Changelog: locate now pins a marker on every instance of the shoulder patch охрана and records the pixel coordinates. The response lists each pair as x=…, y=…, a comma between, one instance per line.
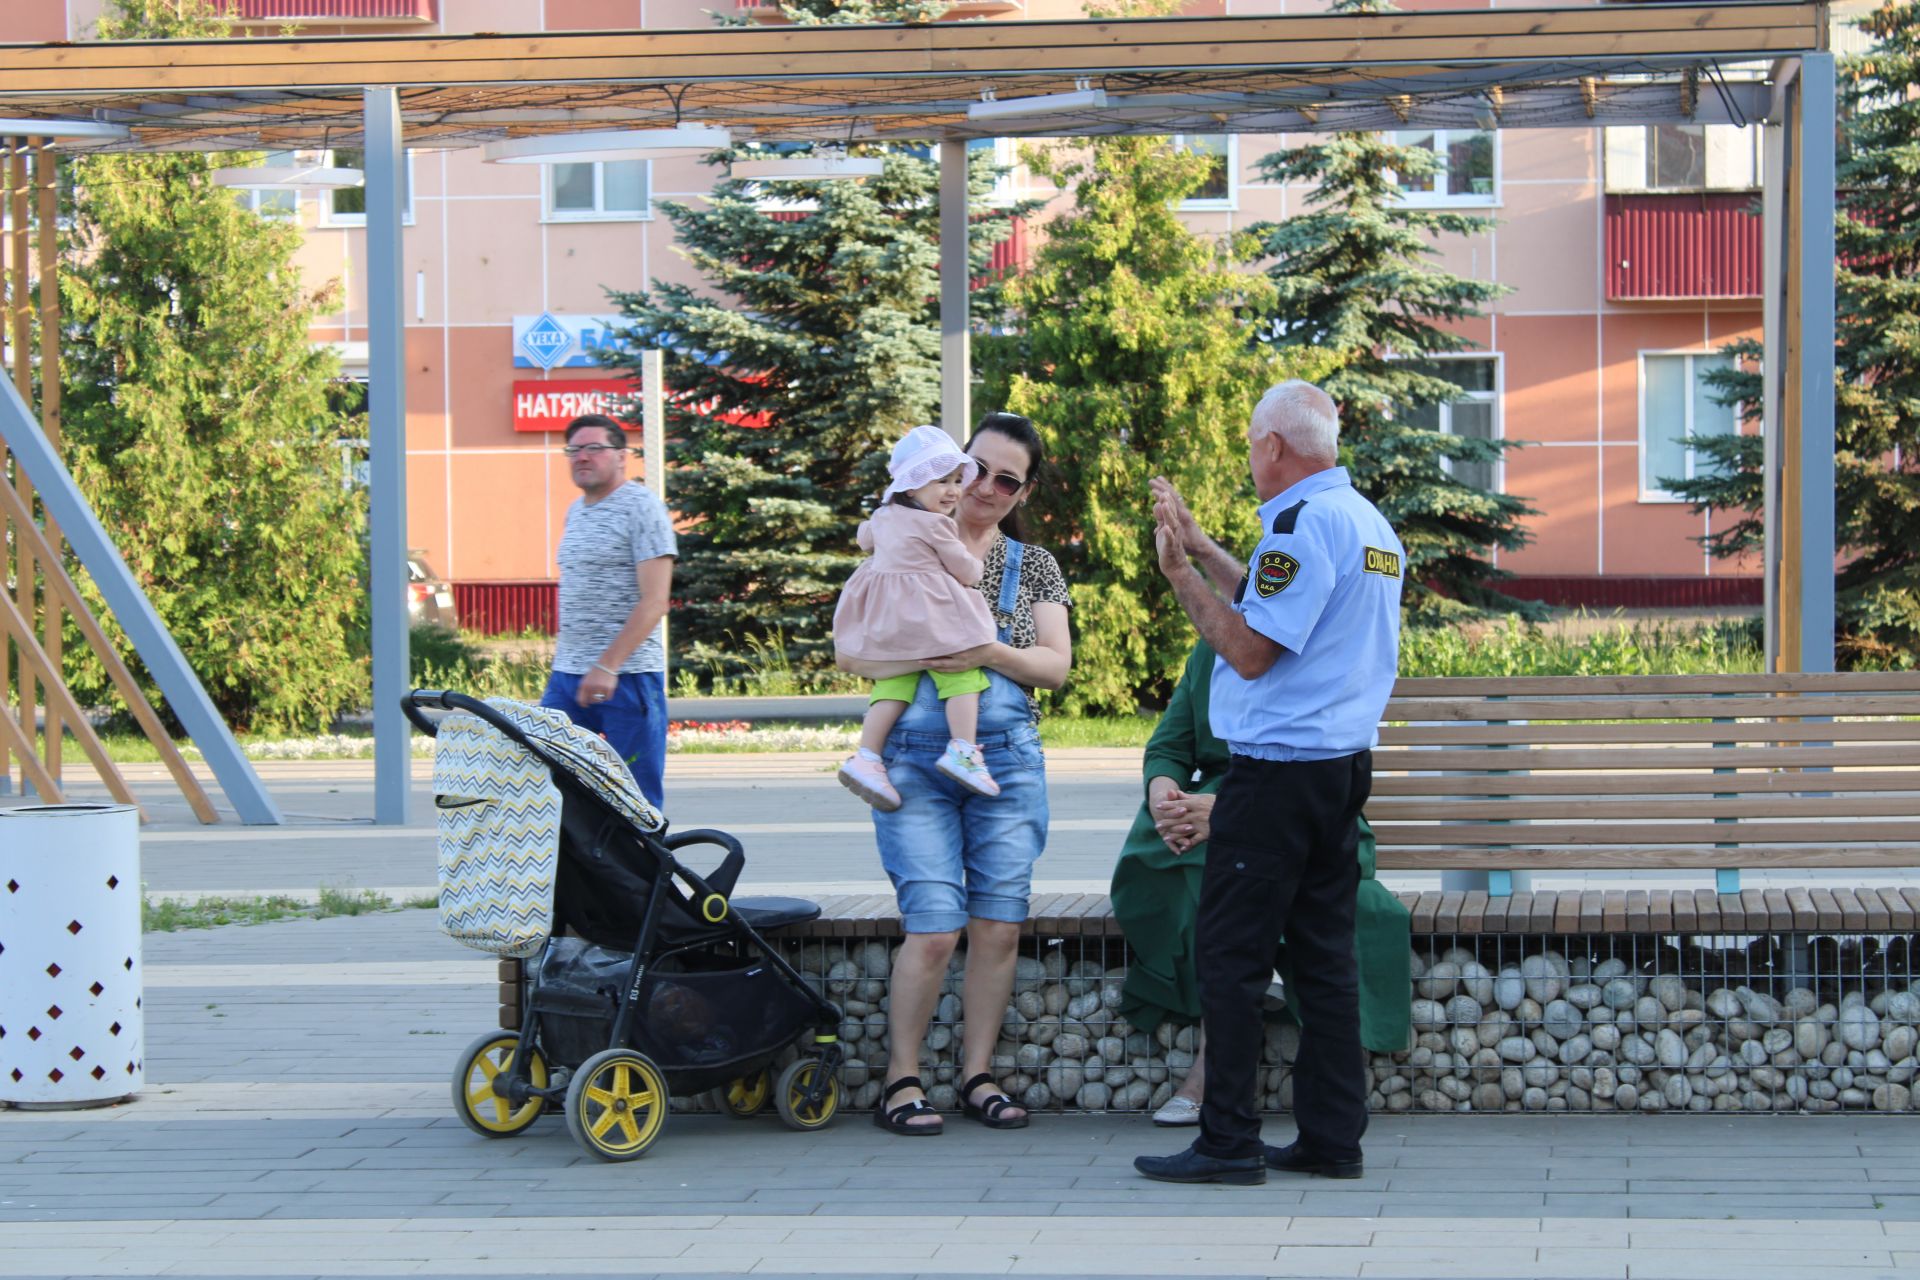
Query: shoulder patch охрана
x=1274, y=573
x=1384, y=563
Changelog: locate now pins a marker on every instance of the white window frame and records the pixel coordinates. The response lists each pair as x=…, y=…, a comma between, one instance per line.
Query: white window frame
x=1650, y=495
x=249, y=197
x=1006, y=155
x=1446, y=199
x=1620, y=149
x=1228, y=203
x=1496, y=397
x=599, y=212
x=329, y=218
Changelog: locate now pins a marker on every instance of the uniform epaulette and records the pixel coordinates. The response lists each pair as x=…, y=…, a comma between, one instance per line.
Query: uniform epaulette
x=1284, y=522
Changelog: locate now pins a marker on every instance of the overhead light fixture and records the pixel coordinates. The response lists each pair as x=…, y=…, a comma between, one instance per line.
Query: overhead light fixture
x=827, y=165
x=1081, y=99
x=616, y=144
x=288, y=177
x=64, y=130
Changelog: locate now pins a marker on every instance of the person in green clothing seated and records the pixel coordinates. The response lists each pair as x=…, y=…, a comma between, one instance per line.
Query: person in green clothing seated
x=1156, y=893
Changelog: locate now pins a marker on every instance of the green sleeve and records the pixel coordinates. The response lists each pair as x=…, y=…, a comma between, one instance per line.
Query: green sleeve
x=1174, y=749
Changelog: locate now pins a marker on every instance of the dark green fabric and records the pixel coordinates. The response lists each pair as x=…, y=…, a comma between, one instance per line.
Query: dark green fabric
x=1156, y=893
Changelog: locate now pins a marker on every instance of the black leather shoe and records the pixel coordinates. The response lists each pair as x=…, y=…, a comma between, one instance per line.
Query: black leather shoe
x=1293, y=1159
x=1191, y=1166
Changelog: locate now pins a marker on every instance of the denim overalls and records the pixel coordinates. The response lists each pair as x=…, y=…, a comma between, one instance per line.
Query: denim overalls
x=953, y=854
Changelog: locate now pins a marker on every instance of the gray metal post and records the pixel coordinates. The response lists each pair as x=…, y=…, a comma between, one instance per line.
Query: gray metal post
x=653, y=448
x=186, y=697
x=1773, y=364
x=387, y=454
x=956, y=357
x=1813, y=188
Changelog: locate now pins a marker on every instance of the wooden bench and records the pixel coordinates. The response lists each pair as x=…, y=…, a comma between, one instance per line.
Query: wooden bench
x=1650, y=772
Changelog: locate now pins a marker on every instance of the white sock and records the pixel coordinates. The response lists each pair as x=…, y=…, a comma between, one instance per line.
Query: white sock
x=865, y=754
x=966, y=748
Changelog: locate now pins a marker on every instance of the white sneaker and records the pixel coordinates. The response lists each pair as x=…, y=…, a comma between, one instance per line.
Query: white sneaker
x=1177, y=1112
x=868, y=780
x=968, y=768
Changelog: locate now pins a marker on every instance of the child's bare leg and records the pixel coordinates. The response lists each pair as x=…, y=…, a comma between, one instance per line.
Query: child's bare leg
x=879, y=722
x=963, y=716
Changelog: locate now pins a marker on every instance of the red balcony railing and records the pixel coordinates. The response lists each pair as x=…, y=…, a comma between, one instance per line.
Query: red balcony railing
x=507, y=608
x=1697, y=244
x=768, y=14
x=258, y=12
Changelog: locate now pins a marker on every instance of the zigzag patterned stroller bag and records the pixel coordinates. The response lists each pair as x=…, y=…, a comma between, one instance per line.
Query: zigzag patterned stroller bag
x=645, y=980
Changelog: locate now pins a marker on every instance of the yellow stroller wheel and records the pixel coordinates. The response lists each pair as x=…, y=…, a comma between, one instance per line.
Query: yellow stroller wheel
x=747, y=1096
x=617, y=1104
x=487, y=1113
x=790, y=1096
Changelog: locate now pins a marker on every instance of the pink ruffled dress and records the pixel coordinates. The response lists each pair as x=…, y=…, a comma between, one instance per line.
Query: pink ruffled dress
x=916, y=596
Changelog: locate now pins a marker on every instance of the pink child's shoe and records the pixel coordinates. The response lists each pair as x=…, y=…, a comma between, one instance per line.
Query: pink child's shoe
x=868, y=780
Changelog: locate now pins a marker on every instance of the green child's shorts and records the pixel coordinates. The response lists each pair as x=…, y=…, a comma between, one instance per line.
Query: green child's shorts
x=948, y=684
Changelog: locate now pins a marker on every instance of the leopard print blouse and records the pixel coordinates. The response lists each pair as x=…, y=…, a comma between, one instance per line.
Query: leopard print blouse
x=1040, y=580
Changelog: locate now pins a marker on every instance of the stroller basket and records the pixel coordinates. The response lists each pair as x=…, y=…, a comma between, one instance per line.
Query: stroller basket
x=702, y=1011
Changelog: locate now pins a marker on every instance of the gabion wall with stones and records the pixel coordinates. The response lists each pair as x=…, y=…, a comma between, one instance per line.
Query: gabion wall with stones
x=1589, y=1023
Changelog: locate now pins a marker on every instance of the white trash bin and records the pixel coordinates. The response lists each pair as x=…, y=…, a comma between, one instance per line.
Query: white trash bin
x=71, y=1030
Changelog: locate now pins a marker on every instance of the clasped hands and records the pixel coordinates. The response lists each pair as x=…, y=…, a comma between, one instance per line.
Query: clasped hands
x=1182, y=819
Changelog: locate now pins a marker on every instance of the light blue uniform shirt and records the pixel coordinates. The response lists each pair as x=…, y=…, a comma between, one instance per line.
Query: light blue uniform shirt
x=1324, y=584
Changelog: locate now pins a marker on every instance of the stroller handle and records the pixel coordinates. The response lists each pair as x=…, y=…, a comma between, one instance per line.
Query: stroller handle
x=418, y=702
x=724, y=876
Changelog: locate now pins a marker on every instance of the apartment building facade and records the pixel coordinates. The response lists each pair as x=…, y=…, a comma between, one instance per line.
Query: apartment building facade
x=1631, y=257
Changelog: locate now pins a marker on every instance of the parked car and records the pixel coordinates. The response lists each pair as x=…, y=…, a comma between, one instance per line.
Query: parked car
x=429, y=596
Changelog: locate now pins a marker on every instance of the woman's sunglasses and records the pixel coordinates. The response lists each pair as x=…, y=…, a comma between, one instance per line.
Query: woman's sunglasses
x=1006, y=484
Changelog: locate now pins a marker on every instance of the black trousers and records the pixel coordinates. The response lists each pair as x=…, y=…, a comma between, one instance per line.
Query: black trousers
x=1282, y=859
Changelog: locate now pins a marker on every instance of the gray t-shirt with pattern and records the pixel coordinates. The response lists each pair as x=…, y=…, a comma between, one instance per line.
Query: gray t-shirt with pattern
x=598, y=590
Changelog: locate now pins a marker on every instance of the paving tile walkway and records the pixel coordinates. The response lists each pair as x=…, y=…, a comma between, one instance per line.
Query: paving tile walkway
x=297, y=1123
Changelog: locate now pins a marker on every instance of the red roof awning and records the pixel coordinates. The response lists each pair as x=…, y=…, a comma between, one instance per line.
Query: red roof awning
x=338, y=10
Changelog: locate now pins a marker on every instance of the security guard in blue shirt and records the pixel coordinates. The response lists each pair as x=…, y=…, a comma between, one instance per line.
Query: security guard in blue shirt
x=1308, y=638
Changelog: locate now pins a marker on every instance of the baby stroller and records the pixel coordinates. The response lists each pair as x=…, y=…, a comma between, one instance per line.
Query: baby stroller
x=643, y=979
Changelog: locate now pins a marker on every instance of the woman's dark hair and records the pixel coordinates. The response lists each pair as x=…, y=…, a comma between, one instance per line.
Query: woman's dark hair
x=1021, y=431
x=616, y=434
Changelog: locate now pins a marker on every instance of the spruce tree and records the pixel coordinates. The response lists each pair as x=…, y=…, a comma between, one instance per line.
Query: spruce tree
x=1877, y=364
x=812, y=345
x=197, y=422
x=1354, y=276
x=1132, y=354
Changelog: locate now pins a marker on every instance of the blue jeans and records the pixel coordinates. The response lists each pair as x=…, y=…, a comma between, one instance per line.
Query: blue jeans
x=950, y=852
x=633, y=721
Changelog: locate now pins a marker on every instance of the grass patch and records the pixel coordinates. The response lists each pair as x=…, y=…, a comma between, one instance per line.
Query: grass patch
x=1515, y=648
x=169, y=915
x=1097, y=731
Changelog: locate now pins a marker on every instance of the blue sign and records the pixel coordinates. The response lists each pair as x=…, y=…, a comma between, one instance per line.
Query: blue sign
x=547, y=341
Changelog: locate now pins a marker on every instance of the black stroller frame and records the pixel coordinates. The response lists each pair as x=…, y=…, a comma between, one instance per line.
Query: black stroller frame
x=807, y=1094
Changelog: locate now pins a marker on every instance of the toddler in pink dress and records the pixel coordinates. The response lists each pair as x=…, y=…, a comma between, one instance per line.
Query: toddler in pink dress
x=914, y=599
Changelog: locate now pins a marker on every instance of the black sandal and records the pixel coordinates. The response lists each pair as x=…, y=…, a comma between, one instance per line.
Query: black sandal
x=898, y=1119
x=991, y=1115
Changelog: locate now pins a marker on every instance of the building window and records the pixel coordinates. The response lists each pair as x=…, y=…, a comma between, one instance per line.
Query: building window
x=1676, y=406
x=1466, y=167
x=1682, y=157
x=1006, y=157
x=347, y=206
x=272, y=202
x=1223, y=149
x=600, y=191
x=1475, y=413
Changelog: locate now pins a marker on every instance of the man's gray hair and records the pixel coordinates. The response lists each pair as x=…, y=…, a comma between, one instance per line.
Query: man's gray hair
x=1302, y=415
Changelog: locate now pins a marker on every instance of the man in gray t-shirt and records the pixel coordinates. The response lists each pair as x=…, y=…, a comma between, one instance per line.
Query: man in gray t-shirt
x=616, y=572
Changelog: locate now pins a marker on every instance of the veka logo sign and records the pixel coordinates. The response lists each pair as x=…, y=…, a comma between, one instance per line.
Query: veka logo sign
x=547, y=341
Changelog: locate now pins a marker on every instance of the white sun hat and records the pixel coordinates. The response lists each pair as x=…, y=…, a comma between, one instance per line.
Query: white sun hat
x=923, y=455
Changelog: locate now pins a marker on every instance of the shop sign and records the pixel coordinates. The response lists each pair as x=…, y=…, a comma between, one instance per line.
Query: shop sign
x=547, y=341
x=550, y=406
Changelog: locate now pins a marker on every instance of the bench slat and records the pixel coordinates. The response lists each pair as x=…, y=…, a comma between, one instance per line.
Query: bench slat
x=1424, y=908
x=1766, y=731
x=1852, y=914
x=1555, y=782
x=1639, y=857
x=1654, y=686
x=1879, y=920
x=1686, y=912
x=1779, y=914
x=1900, y=912
x=1404, y=834
x=1543, y=913
x=1446, y=918
x=1437, y=808
x=1555, y=759
x=1494, y=919
x=1912, y=895
x=1613, y=910
x=1473, y=911
x=1587, y=707
x=1660, y=916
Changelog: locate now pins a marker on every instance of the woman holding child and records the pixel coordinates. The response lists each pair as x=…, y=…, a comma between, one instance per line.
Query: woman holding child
x=954, y=770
